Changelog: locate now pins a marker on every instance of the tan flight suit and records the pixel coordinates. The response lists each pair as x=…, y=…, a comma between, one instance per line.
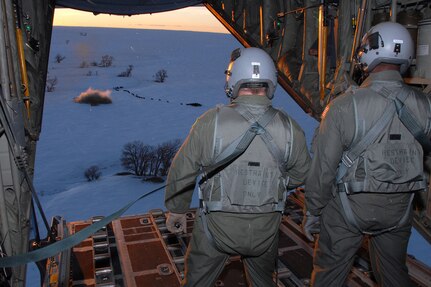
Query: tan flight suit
x=252, y=236
x=339, y=240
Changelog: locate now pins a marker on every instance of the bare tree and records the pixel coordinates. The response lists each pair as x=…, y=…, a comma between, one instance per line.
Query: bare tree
x=106, y=61
x=154, y=163
x=136, y=157
x=157, y=160
x=144, y=159
x=160, y=76
x=167, y=151
x=126, y=73
x=59, y=58
x=50, y=84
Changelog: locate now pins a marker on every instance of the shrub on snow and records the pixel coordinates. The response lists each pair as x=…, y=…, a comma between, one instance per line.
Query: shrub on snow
x=92, y=173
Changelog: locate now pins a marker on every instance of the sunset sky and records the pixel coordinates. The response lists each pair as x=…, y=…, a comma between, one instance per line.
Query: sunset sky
x=187, y=19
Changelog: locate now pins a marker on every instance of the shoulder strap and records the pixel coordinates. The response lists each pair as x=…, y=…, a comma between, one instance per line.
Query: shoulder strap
x=411, y=123
x=353, y=153
x=238, y=146
x=279, y=155
x=350, y=156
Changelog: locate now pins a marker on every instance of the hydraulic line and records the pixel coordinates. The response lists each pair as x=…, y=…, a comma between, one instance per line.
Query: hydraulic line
x=23, y=70
x=322, y=47
x=358, y=32
x=21, y=59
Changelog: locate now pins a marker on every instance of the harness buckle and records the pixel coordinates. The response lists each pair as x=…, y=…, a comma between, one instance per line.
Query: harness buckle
x=346, y=160
x=257, y=128
x=342, y=187
x=203, y=207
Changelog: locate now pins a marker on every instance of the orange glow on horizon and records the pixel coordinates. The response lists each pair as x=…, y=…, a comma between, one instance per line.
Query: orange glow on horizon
x=197, y=19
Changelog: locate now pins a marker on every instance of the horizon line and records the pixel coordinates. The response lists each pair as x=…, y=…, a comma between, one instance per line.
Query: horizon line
x=193, y=19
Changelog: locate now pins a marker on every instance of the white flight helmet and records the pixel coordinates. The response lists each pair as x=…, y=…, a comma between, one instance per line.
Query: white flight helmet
x=250, y=68
x=386, y=42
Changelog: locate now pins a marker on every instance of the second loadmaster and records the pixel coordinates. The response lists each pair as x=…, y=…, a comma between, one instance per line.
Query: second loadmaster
x=368, y=164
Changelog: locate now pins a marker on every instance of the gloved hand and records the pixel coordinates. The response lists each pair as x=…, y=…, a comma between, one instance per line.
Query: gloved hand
x=176, y=222
x=310, y=225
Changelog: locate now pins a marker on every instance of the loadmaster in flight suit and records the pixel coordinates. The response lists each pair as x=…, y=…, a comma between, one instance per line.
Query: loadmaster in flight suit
x=367, y=166
x=242, y=204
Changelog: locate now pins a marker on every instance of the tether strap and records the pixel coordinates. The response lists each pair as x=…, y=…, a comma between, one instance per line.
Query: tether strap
x=69, y=242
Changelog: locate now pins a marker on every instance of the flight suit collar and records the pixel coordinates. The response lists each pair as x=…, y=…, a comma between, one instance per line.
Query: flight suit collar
x=383, y=76
x=253, y=100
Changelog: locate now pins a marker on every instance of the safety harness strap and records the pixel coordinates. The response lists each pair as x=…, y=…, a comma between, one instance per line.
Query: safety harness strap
x=227, y=156
x=232, y=151
x=354, y=152
x=278, y=155
x=410, y=122
x=351, y=155
x=352, y=187
x=237, y=147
